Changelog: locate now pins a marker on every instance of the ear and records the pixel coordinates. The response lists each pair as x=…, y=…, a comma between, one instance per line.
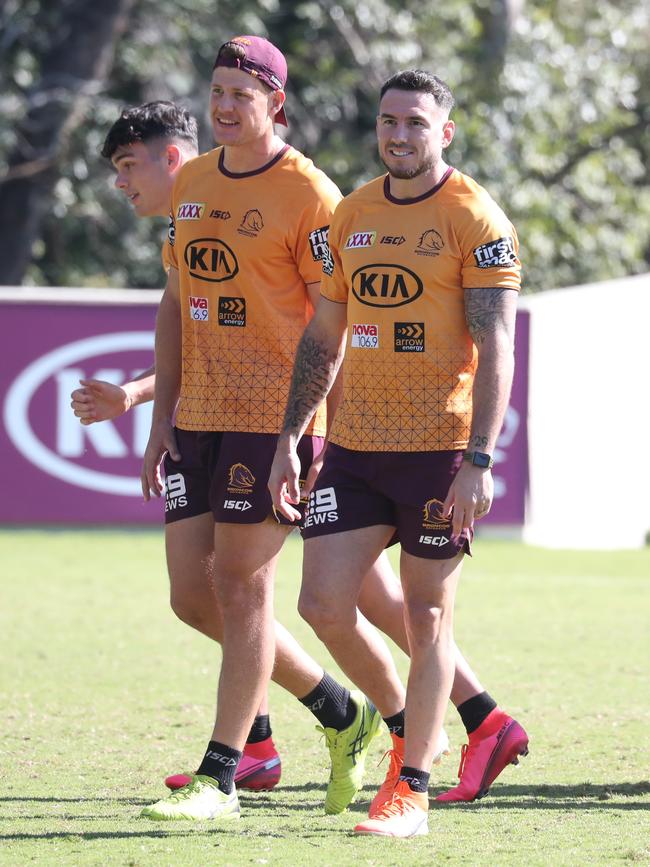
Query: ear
x=277, y=101
x=448, y=131
x=174, y=158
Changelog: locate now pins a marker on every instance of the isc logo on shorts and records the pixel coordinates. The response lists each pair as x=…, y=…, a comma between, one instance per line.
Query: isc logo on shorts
x=175, y=492
x=199, y=310
x=438, y=541
x=365, y=337
x=321, y=507
x=238, y=505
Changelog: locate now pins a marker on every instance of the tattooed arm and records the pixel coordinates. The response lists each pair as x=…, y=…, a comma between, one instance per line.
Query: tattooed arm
x=490, y=316
x=318, y=358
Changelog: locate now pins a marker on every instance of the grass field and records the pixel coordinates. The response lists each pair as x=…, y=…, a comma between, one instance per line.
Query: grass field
x=103, y=693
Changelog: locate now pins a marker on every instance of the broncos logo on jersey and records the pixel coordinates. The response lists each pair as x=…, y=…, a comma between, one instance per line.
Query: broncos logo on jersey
x=430, y=242
x=252, y=223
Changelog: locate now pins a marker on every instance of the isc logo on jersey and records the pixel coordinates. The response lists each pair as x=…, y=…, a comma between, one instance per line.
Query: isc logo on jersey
x=360, y=239
x=365, y=337
x=321, y=507
x=199, y=310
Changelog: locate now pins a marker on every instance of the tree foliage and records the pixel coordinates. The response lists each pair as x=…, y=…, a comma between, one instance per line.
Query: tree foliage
x=552, y=116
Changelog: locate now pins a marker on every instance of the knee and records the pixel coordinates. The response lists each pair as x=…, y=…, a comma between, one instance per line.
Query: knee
x=201, y=611
x=426, y=624
x=324, y=616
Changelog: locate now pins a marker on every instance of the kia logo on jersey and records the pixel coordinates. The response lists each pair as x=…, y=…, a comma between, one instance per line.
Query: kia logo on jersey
x=384, y=285
x=211, y=260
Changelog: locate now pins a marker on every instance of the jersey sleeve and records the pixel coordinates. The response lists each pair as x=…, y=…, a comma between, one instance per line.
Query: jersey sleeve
x=333, y=285
x=310, y=240
x=489, y=248
x=167, y=254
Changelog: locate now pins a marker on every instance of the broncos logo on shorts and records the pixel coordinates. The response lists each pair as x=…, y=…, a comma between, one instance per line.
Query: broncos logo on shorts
x=433, y=516
x=240, y=479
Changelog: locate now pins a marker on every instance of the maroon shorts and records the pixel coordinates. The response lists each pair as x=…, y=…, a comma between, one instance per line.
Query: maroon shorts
x=227, y=474
x=404, y=490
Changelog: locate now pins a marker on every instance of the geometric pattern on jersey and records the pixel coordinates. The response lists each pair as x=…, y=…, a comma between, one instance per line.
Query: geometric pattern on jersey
x=247, y=388
x=402, y=267
x=390, y=406
x=246, y=247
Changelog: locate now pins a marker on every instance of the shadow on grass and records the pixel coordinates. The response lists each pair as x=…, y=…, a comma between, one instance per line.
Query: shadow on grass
x=580, y=796
x=105, y=835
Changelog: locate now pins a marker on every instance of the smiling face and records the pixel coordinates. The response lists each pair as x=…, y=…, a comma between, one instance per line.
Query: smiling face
x=412, y=133
x=242, y=109
x=145, y=174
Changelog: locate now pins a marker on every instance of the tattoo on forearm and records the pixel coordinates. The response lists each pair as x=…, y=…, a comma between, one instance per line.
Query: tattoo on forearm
x=479, y=442
x=485, y=311
x=313, y=373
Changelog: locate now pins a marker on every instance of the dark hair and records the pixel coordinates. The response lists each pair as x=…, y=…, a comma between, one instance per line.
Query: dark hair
x=230, y=51
x=153, y=120
x=419, y=79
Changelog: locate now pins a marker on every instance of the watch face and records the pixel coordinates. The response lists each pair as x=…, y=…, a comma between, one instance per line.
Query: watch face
x=481, y=460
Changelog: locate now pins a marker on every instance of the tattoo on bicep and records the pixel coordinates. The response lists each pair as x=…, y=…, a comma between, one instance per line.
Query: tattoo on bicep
x=486, y=310
x=313, y=372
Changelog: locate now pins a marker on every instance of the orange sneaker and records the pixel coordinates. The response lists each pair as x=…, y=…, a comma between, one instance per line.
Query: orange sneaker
x=395, y=762
x=496, y=743
x=405, y=815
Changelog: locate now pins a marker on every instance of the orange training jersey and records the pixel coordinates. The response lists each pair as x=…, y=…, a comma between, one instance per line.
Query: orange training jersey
x=401, y=267
x=245, y=245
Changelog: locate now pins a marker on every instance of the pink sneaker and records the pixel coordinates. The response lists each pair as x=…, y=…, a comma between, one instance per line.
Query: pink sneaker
x=496, y=743
x=259, y=769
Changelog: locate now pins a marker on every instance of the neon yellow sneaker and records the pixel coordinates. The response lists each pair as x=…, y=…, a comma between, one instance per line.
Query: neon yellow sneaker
x=200, y=799
x=348, y=751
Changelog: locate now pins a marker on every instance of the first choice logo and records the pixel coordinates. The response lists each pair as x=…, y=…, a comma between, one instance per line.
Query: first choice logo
x=383, y=285
x=365, y=337
x=318, y=243
x=232, y=312
x=409, y=336
x=211, y=260
x=496, y=253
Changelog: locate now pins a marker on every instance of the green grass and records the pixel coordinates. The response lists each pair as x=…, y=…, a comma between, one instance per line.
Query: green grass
x=102, y=693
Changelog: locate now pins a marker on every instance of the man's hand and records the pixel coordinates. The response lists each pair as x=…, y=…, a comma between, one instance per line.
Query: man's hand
x=284, y=480
x=470, y=497
x=99, y=401
x=161, y=440
x=314, y=471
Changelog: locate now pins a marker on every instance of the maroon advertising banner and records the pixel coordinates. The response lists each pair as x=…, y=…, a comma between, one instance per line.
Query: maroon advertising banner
x=57, y=471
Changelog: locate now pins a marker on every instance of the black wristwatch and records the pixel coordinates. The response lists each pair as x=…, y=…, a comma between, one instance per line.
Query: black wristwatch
x=479, y=459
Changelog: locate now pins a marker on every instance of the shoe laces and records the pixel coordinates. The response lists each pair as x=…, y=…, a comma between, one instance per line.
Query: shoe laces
x=193, y=788
x=395, y=763
x=466, y=752
x=397, y=806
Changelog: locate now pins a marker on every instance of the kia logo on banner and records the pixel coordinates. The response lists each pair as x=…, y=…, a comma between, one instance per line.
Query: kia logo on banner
x=65, y=462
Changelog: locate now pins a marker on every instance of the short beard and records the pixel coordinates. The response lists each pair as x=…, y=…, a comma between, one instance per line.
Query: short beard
x=409, y=174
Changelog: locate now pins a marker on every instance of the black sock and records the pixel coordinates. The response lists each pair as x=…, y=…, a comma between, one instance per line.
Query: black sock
x=475, y=710
x=330, y=703
x=220, y=762
x=418, y=780
x=395, y=724
x=260, y=730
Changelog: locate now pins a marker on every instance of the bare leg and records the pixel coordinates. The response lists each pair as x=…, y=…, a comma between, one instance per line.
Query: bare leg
x=429, y=593
x=381, y=600
x=332, y=576
x=190, y=554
